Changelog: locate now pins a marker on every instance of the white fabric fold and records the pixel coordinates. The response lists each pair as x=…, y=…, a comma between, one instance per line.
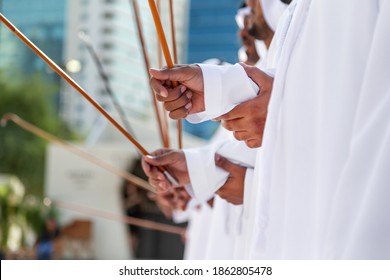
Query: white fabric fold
x=273, y=11
x=206, y=178
x=224, y=89
x=321, y=179
x=323, y=172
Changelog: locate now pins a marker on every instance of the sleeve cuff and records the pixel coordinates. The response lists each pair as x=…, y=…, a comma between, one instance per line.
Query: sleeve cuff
x=224, y=88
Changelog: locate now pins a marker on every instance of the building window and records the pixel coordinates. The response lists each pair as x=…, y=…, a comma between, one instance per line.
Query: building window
x=107, y=46
x=106, y=61
x=107, y=30
x=84, y=17
x=108, y=15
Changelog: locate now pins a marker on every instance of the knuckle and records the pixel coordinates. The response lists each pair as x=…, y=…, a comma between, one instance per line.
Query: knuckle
x=238, y=136
x=168, y=106
x=253, y=110
x=159, y=97
x=178, y=114
x=253, y=143
x=227, y=125
x=254, y=123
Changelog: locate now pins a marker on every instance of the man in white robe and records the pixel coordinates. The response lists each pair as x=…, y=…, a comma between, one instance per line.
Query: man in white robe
x=322, y=177
x=226, y=229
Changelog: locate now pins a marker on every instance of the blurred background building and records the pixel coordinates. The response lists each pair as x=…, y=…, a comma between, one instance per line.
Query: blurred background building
x=212, y=33
x=44, y=22
x=111, y=28
x=204, y=29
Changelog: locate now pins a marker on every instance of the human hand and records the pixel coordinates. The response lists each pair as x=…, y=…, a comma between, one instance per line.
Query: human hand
x=184, y=99
x=173, y=160
x=247, y=120
x=164, y=201
x=173, y=199
x=181, y=198
x=233, y=189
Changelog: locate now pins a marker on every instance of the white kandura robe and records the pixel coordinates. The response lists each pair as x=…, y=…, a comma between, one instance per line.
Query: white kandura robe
x=220, y=240
x=225, y=232
x=322, y=178
x=224, y=225
x=197, y=232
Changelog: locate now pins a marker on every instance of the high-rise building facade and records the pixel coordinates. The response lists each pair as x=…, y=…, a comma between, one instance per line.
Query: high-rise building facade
x=212, y=34
x=213, y=30
x=43, y=21
x=204, y=29
x=111, y=28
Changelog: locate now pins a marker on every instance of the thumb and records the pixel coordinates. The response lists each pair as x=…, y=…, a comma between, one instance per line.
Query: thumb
x=224, y=163
x=259, y=77
x=253, y=72
x=160, y=160
x=171, y=74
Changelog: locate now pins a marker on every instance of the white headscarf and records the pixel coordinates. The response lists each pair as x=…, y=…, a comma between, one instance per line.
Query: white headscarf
x=240, y=16
x=273, y=10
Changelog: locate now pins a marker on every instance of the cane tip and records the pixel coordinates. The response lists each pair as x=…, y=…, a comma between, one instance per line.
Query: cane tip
x=4, y=120
x=3, y=123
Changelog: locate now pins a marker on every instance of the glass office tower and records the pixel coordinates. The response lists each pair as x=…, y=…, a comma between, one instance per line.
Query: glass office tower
x=212, y=34
x=213, y=30
x=111, y=28
x=43, y=22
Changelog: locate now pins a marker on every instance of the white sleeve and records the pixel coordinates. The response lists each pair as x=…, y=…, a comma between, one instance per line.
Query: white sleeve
x=224, y=88
x=206, y=178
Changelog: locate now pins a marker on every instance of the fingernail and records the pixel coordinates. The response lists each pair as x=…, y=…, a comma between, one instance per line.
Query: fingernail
x=188, y=106
x=183, y=89
x=217, y=157
x=164, y=93
x=189, y=95
x=160, y=177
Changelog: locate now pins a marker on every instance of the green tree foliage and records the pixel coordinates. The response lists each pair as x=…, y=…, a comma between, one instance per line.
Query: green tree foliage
x=22, y=153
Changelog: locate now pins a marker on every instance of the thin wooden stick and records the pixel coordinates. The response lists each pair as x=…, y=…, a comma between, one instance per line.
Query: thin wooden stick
x=160, y=65
x=173, y=33
x=175, y=60
x=167, y=54
x=75, y=150
x=158, y=45
x=67, y=78
x=157, y=110
x=161, y=35
x=166, y=128
x=120, y=218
